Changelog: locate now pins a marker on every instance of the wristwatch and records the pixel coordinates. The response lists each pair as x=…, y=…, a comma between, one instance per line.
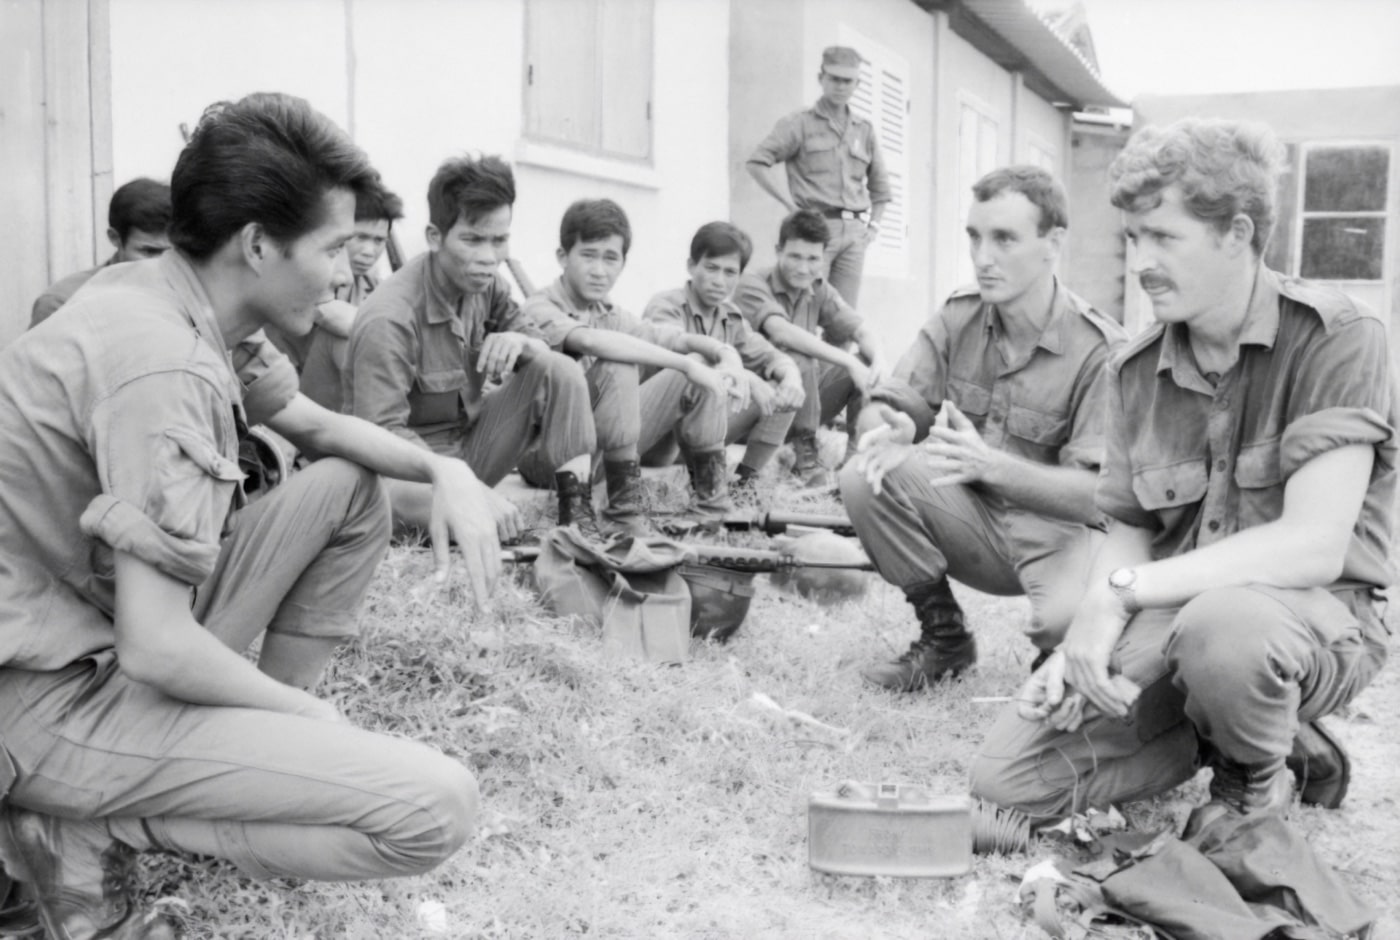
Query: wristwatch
x=1123, y=583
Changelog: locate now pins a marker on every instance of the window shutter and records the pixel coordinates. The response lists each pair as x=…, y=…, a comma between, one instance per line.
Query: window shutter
x=883, y=100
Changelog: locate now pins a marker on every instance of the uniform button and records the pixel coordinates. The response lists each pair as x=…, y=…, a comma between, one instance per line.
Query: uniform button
x=1171, y=494
x=1213, y=525
x=1220, y=466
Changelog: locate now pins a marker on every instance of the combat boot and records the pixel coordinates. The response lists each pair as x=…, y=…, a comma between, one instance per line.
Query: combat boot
x=576, y=505
x=808, y=467
x=627, y=498
x=744, y=487
x=83, y=880
x=1320, y=766
x=1242, y=790
x=709, y=486
x=944, y=647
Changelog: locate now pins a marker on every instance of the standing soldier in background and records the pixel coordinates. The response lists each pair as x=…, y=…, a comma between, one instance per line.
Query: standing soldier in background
x=833, y=166
x=137, y=218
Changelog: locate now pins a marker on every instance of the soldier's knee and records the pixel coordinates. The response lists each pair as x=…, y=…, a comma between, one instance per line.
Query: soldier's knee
x=449, y=805
x=1207, y=632
x=856, y=493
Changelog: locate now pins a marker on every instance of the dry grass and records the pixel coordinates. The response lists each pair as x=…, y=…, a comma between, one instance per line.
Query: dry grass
x=631, y=800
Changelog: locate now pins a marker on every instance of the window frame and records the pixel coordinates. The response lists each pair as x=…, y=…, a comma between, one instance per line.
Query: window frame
x=1301, y=215
x=538, y=145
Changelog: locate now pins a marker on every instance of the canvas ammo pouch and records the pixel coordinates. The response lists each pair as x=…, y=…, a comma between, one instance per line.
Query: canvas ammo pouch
x=631, y=587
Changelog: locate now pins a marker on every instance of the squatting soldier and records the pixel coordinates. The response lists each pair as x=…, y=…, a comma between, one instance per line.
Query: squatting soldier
x=1007, y=380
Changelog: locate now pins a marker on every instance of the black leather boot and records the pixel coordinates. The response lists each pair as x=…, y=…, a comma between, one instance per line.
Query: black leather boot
x=944, y=647
x=627, y=497
x=1320, y=766
x=576, y=505
x=709, y=485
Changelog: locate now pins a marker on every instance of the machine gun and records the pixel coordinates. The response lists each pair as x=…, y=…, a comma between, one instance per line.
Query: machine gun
x=747, y=560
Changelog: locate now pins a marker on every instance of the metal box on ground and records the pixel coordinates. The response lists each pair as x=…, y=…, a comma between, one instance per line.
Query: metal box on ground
x=889, y=829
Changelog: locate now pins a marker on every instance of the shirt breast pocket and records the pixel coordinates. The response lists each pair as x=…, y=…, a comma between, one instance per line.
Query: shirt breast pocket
x=1043, y=432
x=437, y=398
x=1172, y=487
x=819, y=156
x=972, y=400
x=1259, y=477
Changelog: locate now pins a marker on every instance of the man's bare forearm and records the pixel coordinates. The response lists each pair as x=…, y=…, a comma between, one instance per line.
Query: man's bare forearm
x=616, y=346
x=314, y=428
x=1061, y=492
x=793, y=338
x=762, y=175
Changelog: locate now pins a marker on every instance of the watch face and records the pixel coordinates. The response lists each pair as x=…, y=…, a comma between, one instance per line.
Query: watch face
x=1122, y=577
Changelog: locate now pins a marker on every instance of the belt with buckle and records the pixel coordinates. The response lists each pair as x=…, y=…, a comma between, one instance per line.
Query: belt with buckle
x=851, y=214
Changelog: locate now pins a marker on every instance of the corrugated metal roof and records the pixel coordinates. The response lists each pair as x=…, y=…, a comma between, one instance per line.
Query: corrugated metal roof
x=1023, y=40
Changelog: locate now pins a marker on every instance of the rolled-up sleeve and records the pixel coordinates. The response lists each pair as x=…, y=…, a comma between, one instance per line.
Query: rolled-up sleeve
x=782, y=143
x=269, y=379
x=667, y=337
x=382, y=358
x=1088, y=399
x=161, y=450
x=1114, y=494
x=1343, y=396
x=554, y=325
x=756, y=301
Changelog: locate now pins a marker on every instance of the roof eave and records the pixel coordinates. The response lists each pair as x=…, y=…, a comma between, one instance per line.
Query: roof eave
x=1018, y=39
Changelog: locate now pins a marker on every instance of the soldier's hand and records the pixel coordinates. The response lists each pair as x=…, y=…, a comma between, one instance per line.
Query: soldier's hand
x=958, y=451
x=880, y=450
x=499, y=353
x=462, y=511
x=790, y=395
x=509, y=523
x=1088, y=649
x=707, y=378
x=763, y=395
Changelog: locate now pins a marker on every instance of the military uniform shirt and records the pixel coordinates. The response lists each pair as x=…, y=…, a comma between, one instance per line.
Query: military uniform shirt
x=118, y=432
x=411, y=366
x=558, y=314
x=680, y=309
x=1195, y=463
x=818, y=309
x=828, y=166
x=1043, y=404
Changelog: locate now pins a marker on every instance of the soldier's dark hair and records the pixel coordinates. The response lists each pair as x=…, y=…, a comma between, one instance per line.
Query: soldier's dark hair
x=591, y=220
x=141, y=205
x=468, y=188
x=269, y=158
x=378, y=203
x=1037, y=185
x=717, y=239
x=805, y=225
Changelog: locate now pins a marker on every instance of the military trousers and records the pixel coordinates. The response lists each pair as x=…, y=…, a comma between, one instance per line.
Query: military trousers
x=1239, y=668
x=916, y=531
x=277, y=794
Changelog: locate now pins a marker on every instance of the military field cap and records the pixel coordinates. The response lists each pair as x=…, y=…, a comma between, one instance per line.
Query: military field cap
x=841, y=61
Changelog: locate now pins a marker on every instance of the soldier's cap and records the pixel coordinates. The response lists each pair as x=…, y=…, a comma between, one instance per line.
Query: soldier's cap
x=841, y=61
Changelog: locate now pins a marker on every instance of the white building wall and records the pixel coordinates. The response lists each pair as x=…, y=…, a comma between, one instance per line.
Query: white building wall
x=1025, y=123
x=433, y=78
